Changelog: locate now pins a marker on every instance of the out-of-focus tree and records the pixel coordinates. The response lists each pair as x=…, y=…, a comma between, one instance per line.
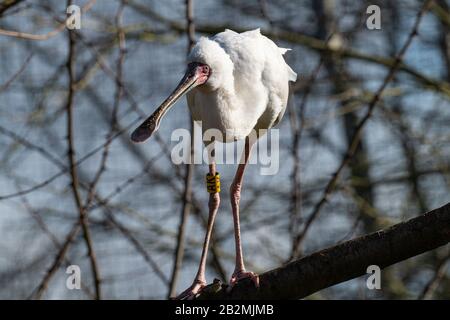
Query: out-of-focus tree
x=75, y=190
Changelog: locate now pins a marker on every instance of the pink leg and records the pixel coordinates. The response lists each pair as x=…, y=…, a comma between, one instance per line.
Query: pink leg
x=235, y=195
x=200, y=279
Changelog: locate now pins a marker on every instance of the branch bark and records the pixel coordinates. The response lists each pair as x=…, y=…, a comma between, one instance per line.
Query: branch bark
x=72, y=161
x=8, y=4
x=345, y=261
x=355, y=140
x=187, y=194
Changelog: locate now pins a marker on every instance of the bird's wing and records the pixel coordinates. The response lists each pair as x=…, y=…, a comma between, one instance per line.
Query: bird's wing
x=258, y=60
x=246, y=52
x=253, y=51
x=276, y=76
x=291, y=73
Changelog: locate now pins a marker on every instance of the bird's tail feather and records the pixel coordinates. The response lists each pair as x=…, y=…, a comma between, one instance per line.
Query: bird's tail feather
x=292, y=76
x=284, y=50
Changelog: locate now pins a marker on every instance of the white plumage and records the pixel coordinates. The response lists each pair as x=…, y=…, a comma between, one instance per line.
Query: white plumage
x=235, y=82
x=248, y=86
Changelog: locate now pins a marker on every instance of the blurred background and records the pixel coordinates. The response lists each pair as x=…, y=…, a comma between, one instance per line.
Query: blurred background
x=126, y=58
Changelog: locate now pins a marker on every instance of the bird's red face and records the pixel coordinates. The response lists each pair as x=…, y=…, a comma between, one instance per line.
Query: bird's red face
x=199, y=71
x=196, y=75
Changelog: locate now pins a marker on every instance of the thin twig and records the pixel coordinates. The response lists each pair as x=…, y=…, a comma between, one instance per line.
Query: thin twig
x=139, y=248
x=189, y=169
x=117, y=99
x=359, y=128
x=7, y=83
x=432, y=285
x=29, y=36
x=43, y=226
x=64, y=171
x=43, y=285
x=297, y=132
x=6, y=5
x=72, y=161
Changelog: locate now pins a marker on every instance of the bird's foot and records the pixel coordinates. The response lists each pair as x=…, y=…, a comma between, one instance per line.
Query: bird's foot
x=192, y=292
x=242, y=274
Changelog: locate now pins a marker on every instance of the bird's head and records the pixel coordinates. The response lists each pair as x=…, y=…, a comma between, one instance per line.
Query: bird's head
x=208, y=68
x=210, y=53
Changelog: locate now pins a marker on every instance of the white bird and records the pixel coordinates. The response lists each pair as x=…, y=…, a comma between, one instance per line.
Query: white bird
x=236, y=83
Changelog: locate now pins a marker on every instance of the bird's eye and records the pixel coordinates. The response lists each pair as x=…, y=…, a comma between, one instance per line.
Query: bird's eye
x=206, y=69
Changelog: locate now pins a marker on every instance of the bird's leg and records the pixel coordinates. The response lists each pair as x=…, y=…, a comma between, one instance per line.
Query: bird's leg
x=235, y=195
x=200, y=279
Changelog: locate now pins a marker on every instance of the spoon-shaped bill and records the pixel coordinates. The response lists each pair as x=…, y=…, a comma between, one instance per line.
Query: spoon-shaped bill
x=151, y=124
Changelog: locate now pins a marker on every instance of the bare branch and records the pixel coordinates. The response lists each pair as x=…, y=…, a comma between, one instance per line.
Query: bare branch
x=5, y=85
x=187, y=196
x=345, y=261
x=432, y=285
x=72, y=161
x=355, y=140
x=29, y=36
x=8, y=4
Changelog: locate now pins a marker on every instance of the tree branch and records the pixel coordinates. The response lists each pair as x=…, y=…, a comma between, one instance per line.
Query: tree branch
x=72, y=161
x=40, y=37
x=345, y=261
x=355, y=140
x=187, y=194
x=8, y=4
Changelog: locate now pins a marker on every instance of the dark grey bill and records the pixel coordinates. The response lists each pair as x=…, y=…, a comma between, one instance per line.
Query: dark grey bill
x=151, y=124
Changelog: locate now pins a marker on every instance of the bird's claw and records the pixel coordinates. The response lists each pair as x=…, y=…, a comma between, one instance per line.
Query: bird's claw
x=192, y=292
x=242, y=274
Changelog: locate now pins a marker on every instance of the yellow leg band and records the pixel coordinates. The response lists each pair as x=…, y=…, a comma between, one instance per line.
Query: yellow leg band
x=213, y=183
